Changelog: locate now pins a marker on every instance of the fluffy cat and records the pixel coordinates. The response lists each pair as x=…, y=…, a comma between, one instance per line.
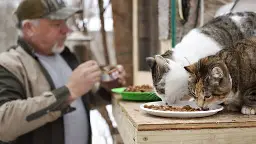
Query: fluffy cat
x=229, y=77
x=171, y=84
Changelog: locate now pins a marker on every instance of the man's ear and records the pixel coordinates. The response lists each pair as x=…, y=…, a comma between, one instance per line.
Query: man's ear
x=28, y=28
x=191, y=68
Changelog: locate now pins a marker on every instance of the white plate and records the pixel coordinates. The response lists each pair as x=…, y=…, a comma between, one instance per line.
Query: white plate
x=212, y=110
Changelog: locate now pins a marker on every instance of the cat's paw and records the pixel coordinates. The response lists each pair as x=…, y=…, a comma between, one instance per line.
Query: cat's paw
x=248, y=110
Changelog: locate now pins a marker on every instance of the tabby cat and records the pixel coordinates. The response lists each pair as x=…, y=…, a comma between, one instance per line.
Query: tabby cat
x=170, y=79
x=229, y=77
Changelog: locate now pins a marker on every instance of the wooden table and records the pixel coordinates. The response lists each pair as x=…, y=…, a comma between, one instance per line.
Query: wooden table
x=137, y=127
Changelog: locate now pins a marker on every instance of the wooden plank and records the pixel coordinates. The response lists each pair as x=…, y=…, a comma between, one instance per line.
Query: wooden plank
x=123, y=35
x=194, y=126
x=204, y=136
x=125, y=127
x=146, y=122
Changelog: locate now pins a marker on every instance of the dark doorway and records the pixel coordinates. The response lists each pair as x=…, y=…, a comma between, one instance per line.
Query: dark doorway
x=148, y=43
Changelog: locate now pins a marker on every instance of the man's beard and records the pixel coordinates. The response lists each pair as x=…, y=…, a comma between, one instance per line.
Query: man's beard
x=57, y=49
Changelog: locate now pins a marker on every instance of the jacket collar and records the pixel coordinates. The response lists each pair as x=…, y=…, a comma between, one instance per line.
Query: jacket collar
x=21, y=42
x=67, y=55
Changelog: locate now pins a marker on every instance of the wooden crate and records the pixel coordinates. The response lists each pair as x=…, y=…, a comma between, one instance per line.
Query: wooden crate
x=136, y=127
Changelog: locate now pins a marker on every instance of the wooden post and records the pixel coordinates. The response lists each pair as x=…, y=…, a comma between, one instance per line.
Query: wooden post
x=123, y=35
x=103, y=32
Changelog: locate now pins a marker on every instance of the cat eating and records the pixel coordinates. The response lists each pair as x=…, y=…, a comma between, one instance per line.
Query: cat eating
x=170, y=79
x=228, y=77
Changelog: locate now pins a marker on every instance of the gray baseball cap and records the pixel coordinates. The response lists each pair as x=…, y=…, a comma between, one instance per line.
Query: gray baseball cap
x=51, y=9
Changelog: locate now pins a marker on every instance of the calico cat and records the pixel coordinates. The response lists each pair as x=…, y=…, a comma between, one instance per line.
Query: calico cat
x=229, y=77
x=172, y=84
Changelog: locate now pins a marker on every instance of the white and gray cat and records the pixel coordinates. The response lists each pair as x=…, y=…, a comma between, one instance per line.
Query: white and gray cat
x=170, y=79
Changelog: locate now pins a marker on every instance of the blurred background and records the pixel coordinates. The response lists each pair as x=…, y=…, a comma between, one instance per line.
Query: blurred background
x=125, y=32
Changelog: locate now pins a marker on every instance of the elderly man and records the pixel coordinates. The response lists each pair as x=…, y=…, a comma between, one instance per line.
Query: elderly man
x=44, y=92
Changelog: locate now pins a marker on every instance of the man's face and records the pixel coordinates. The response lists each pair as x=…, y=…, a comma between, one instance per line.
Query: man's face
x=50, y=35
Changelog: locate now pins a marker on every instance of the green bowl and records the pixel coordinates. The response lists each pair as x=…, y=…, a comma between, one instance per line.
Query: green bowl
x=136, y=96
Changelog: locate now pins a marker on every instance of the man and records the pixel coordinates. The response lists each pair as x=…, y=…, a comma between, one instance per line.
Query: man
x=41, y=82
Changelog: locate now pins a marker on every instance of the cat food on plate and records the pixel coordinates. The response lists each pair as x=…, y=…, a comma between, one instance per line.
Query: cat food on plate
x=172, y=108
x=139, y=88
x=181, y=109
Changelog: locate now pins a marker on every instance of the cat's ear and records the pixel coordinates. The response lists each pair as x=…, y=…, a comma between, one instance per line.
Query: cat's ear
x=167, y=54
x=203, y=61
x=162, y=62
x=191, y=68
x=150, y=61
x=217, y=73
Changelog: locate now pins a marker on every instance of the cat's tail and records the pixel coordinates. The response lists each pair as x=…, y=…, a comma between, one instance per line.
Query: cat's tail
x=249, y=97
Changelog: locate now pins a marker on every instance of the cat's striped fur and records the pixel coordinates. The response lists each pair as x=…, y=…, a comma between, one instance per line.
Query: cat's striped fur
x=223, y=31
x=229, y=76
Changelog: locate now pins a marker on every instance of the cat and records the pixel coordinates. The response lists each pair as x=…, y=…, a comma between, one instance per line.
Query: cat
x=229, y=77
x=171, y=83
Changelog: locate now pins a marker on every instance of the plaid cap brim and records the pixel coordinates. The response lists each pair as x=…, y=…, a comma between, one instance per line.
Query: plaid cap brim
x=63, y=13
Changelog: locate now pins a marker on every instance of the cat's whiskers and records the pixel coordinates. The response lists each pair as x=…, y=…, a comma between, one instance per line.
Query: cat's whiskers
x=187, y=60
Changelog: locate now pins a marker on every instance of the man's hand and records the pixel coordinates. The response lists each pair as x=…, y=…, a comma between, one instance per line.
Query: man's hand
x=119, y=82
x=83, y=79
